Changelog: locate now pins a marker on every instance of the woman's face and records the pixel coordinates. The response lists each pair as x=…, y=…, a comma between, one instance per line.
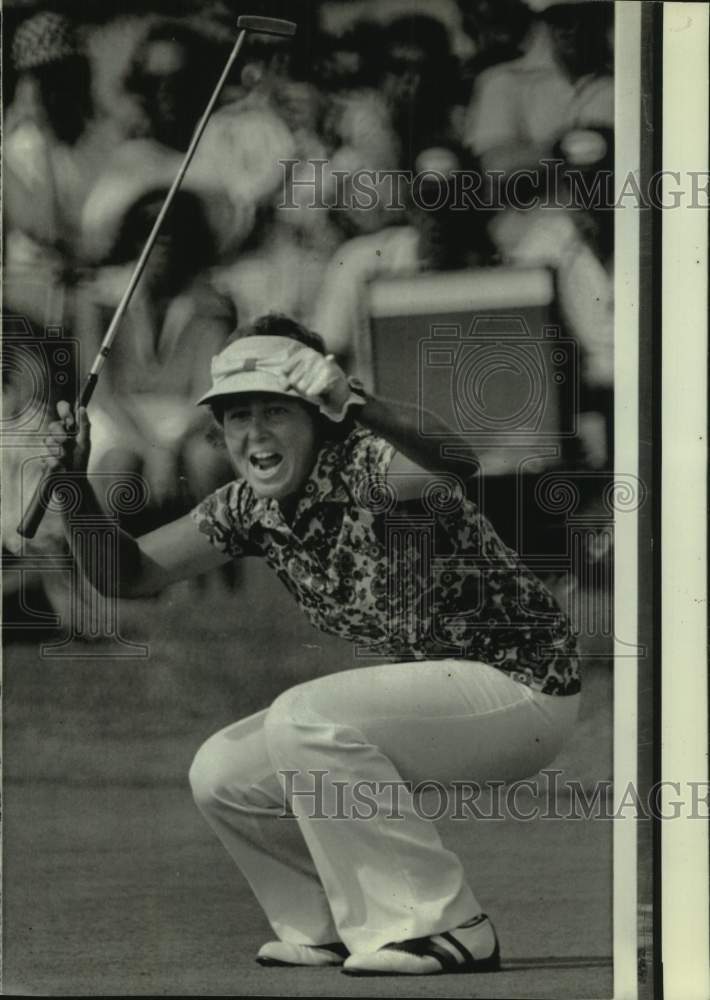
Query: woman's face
x=164, y=72
x=271, y=440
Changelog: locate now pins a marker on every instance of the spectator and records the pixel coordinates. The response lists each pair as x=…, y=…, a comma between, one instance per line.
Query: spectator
x=282, y=266
x=436, y=239
x=418, y=80
x=497, y=28
x=53, y=147
x=348, y=61
x=173, y=73
x=358, y=128
x=235, y=168
x=519, y=109
x=555, y=238
x=160, y=361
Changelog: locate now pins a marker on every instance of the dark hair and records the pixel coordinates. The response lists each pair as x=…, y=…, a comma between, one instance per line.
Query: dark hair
x=332, y=68
x=498, y=27
x=65, y=89
x=201, y=66
x=186, y=222
x=417, y=48
x=173, y=98
x=280, y=325
x=426, y=33
x=580, y=36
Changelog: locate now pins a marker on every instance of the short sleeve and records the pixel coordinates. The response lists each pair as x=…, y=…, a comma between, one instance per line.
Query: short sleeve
x=218, y=516
x=367, y=460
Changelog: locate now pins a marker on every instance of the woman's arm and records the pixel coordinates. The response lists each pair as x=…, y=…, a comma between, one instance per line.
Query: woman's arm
x=320, y=379
x=399, y=424
x=145, y=565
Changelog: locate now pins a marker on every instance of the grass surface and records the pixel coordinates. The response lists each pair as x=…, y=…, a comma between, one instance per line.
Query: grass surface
x=114, y=885
x=125, y=891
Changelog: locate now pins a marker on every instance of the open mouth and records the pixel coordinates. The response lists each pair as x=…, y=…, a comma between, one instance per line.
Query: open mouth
x=265, y=462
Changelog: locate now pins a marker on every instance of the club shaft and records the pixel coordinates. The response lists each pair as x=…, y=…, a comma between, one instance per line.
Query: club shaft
x=34, y=512
x=153, y=235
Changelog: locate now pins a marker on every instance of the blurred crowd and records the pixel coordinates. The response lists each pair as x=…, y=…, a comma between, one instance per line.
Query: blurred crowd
x=98, y=117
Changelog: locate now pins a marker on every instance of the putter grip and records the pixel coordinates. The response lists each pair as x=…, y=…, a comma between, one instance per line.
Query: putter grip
x=34, y=512
x=266, y=25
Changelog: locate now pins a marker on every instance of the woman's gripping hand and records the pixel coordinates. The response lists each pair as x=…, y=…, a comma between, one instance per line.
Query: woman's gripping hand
x=68, y=440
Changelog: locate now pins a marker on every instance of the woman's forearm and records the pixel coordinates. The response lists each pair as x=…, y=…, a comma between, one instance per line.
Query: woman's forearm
x=399, y=424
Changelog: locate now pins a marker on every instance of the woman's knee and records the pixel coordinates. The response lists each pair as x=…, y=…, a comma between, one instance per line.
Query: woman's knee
x=286, y=725
x=212, y=772
x=232, y=767
x=303, y=719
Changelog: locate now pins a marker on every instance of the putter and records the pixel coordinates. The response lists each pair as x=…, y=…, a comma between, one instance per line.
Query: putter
x=34, y=512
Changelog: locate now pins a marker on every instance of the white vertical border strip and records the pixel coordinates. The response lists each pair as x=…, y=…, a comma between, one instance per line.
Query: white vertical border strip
x=684, y=841
x=627, y=72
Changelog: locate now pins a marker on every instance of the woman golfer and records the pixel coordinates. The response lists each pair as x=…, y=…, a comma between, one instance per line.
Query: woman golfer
x=481, y=680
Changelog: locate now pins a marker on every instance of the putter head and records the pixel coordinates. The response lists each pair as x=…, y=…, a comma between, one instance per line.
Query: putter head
x=266, y=25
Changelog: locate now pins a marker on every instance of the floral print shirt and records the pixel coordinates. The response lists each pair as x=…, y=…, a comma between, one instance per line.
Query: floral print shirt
x=400, y=579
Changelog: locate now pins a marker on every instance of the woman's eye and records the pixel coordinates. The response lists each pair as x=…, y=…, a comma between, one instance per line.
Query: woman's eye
x=276, y=411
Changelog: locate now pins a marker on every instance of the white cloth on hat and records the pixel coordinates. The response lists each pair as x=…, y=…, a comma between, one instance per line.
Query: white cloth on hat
x=252, y=364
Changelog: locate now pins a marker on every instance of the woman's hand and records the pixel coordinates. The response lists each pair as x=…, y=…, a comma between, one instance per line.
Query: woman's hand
x=320, y=379
x=68, y=440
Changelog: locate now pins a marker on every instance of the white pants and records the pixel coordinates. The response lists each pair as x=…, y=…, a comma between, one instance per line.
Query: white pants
x=365, y=874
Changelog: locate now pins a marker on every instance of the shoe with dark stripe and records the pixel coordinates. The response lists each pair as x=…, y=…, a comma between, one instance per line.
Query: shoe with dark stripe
x=472, y=947
x=314, y=956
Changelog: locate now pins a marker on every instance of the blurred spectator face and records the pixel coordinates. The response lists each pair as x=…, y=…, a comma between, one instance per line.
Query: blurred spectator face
x=173, y=73
x=164, y=78
x=351, y=60
x=405, y=67
x=581, y=35
x=340, y=67
x=417, y=70
x=444, y=232
x=497, y=24
x=299, y=105
x=266, y=63
x=565, y=40
x=163, y=271
x=164, y=90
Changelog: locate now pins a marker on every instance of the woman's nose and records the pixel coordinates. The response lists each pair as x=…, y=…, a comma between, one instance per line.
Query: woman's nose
x=257, y=426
